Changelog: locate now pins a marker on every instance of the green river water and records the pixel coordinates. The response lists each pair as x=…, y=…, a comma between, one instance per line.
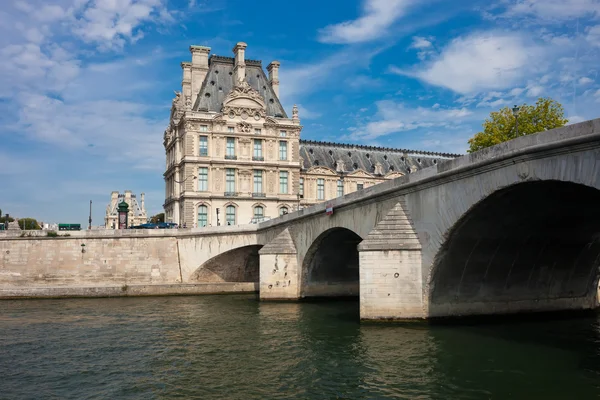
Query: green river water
x=235, y=347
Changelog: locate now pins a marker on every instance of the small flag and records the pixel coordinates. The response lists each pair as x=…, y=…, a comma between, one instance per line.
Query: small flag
x=329, y=209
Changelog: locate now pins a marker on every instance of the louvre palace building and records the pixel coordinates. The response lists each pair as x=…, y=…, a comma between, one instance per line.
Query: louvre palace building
x=234, y=156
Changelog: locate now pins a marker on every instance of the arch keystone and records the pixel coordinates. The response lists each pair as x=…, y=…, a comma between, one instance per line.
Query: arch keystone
x=391, y=283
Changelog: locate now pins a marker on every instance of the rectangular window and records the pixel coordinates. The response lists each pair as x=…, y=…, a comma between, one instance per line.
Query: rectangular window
x=203, y=128
x=203, y=145
x=258, y=155
x=282, y=133
x=257, y=131
x=283, y=182
x=301, y=189
x=359, y=186
x=202, y=179
x=230, y=180
x=340, y=188
x=230, y=215
x=283, y=150
x=202, y=216
x=230, y=129
x=230, y=152
x=258, y=175
x=320, y=189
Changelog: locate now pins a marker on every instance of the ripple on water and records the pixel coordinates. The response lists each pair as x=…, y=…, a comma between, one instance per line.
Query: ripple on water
x=233, y=347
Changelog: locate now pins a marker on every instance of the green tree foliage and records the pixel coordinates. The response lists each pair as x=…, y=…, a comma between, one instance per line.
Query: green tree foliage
x=500, y=126
x=29, y=224
x=155, y=219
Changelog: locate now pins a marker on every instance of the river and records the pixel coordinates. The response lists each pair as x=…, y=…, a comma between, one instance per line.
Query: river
x=234, y=347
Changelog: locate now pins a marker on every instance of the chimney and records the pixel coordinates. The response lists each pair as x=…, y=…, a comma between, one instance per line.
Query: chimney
x=199, y=69
x=128, y=197
x=239, y=70
x=273, y=69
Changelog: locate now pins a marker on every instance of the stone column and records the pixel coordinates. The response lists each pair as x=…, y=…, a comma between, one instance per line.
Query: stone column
x=279, y=272
x=391, y=284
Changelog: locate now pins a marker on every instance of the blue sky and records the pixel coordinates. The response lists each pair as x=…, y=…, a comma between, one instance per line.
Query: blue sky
x=86, y=86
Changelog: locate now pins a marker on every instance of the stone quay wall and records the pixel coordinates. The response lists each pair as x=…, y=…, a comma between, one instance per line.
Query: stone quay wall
x=108, y=263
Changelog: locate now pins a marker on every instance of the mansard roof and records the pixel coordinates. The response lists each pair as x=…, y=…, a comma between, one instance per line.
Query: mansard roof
x=134, y=206
x=357, y=157
x=219, y=82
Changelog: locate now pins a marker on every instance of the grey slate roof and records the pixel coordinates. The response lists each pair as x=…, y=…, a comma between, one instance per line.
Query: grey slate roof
x=134, y=206
x=219, y=82
x=357, y=157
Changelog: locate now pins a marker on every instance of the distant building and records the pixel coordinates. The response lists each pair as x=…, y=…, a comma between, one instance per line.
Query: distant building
x=234, y=156
x=137, y=209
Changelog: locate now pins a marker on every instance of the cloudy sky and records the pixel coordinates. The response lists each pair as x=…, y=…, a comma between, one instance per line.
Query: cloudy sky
x=86, y=86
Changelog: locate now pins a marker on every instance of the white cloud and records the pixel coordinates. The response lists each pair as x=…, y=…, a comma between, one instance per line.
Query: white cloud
x=555, y=10
x=420, y=43
x=593, y=35
x=534, y=90
x=112, y=23
x=585, y=80
x=516, y=91
x=480, y=61
x=394, y=117
x=377, y=16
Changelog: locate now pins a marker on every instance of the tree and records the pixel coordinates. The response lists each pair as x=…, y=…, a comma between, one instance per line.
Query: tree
x=501, y=125
x=29, y=224
x=155, y=219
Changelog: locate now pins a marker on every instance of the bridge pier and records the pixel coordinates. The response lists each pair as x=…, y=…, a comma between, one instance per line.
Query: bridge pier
x=391, y=283
x=279, y=269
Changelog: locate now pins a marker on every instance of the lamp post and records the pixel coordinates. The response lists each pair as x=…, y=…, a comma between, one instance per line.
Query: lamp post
x=515, y=111
x=180, y=182
x=90, y=219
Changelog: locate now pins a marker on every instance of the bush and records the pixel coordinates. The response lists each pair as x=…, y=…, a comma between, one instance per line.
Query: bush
x=51, y=234
x=29, y=224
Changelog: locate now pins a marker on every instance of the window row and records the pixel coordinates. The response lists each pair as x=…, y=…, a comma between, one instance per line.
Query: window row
x=321, y=188
x=231, y=214
x=230, y=181
x=257, y=147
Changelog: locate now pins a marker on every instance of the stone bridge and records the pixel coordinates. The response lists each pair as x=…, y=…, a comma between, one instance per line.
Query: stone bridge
x=512, y=228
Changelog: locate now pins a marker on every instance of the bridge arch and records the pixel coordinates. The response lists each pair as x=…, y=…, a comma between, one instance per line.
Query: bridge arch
x=331, y=265
x=532, y=246
x=236, y=265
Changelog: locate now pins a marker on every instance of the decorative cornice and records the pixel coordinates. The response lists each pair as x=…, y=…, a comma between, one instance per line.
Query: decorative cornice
x=375, y=148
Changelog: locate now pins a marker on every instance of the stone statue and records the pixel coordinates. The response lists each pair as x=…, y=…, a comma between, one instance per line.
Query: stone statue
x=295, y=112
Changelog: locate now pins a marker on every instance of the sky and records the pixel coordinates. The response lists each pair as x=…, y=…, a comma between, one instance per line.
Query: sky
x=86, y=85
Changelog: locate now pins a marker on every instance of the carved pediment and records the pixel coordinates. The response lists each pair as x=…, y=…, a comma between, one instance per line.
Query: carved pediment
x=394, y=175
x=359, y=173
x=321, y=171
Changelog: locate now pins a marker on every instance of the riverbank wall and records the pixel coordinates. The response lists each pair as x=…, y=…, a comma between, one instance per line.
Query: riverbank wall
x=123, y=263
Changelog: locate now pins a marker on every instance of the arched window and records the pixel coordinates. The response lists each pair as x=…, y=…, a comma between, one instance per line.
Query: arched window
x=202, y=216
x=283, y=211
x=259, y=212
x=230, y=215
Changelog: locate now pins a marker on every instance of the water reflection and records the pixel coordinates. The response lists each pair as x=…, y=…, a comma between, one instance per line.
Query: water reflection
x=234, y=347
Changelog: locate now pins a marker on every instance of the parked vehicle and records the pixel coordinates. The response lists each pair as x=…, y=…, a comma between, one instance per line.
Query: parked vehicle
x=144, y=226
x=69, y=227
x=167, y=225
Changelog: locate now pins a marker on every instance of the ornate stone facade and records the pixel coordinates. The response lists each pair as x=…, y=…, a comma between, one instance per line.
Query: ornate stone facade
x=234, y=157
x=137, y=209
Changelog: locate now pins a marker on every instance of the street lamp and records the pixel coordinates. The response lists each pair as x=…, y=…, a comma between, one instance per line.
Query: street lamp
x=515, y=111
x=180, y=182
